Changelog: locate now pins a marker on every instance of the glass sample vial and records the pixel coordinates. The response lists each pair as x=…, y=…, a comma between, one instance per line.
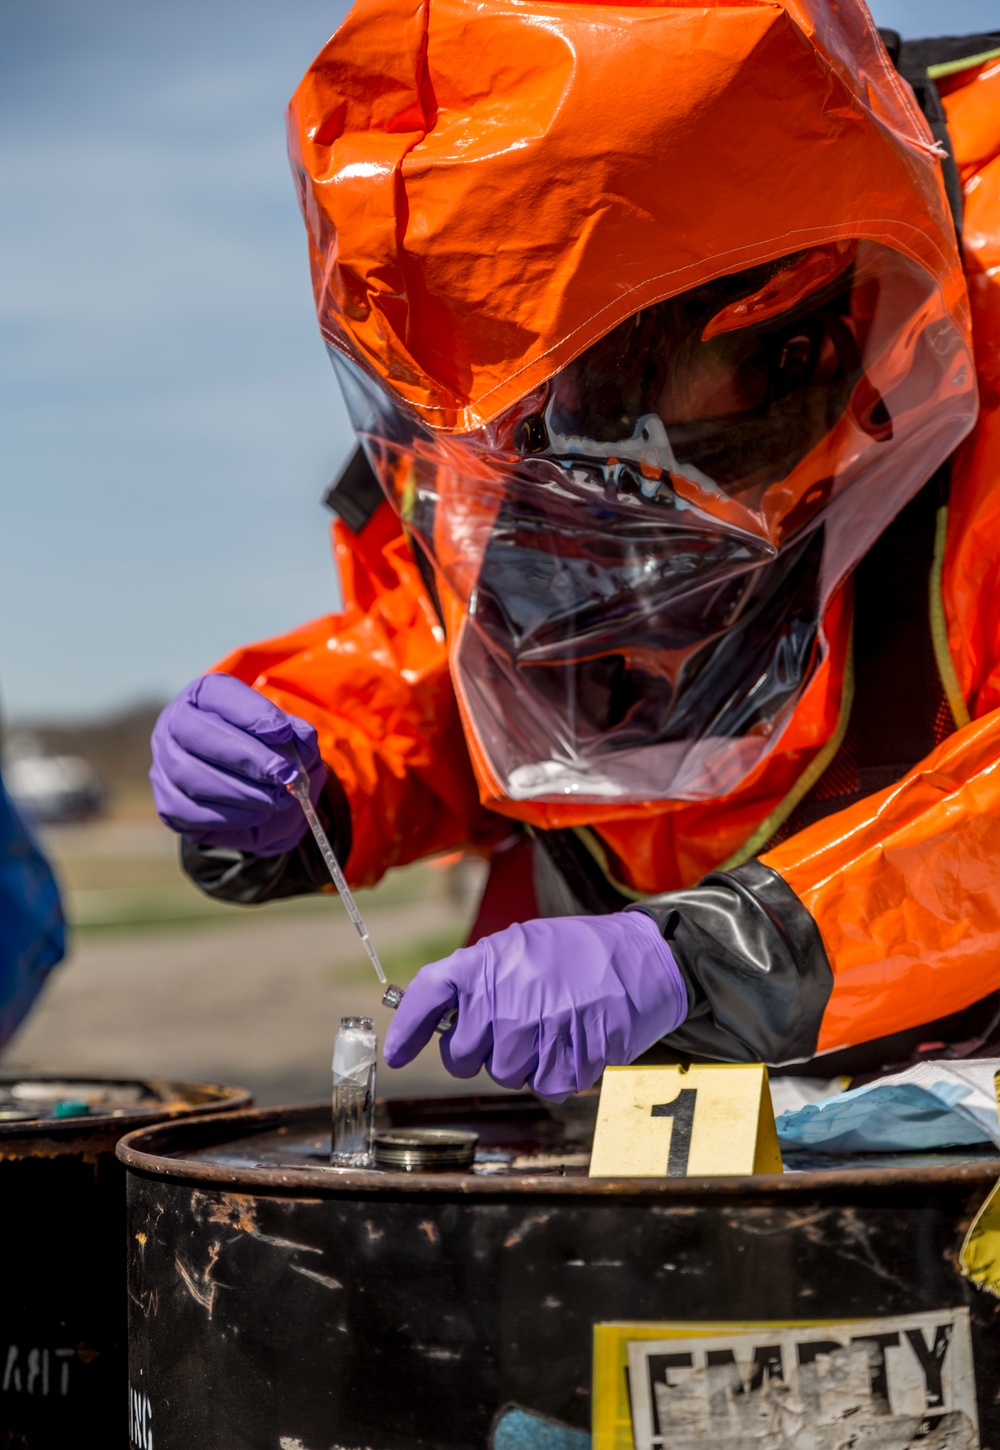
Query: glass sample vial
x=354, y=1051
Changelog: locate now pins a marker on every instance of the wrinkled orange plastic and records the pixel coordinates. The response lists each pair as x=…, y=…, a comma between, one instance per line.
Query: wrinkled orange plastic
x=451, y=276
x=489, y=189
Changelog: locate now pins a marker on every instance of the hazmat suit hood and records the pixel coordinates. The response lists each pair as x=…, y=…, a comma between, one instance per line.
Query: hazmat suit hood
x=650, y=318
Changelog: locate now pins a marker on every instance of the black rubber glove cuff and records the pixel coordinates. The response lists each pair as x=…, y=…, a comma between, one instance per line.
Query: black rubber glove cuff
x=753, y=961
x=248, y=880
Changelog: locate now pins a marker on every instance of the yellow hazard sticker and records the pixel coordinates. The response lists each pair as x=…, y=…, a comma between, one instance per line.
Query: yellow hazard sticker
x=786, y=1385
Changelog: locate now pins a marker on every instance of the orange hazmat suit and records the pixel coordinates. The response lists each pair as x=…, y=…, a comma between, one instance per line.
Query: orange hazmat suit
x=491, y=194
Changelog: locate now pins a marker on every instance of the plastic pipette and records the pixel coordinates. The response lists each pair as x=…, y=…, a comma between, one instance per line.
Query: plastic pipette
x=392, y=997
x=299, y=788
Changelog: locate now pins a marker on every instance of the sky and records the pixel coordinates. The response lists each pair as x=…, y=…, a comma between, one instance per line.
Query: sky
x=168, y=416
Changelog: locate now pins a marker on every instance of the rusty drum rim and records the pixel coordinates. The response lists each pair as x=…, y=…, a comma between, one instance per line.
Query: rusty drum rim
x=149, y=1151
x=174, y=1103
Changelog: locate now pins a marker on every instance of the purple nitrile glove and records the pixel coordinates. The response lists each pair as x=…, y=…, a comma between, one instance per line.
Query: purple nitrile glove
x=550, y=1003
x=222, y=758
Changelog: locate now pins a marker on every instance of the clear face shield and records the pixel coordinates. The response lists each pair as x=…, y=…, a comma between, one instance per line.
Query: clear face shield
x=643, y=549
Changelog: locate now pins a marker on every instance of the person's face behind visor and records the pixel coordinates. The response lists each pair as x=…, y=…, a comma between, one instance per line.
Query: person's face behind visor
x=728, y=384
x=644, y=546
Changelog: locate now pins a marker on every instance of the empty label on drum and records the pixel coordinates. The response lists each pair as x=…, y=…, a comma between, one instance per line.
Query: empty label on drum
x=887, y=1383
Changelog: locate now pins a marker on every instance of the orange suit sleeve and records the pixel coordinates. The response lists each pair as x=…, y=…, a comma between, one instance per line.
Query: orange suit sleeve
x=904, y=887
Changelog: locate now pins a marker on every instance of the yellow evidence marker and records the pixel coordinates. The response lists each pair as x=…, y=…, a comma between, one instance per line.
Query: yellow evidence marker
x=676, y=1122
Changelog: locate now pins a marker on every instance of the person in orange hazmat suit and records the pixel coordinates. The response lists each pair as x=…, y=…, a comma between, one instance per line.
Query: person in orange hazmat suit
x=671, y=556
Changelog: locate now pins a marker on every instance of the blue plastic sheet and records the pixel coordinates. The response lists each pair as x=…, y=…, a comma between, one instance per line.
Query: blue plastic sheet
x=32, y=929
x=518, y=1429
x=932, y=1105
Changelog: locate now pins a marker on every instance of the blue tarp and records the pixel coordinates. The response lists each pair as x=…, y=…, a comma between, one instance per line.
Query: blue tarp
x=32, y=929
x=945, y=1104
x=518, y=1429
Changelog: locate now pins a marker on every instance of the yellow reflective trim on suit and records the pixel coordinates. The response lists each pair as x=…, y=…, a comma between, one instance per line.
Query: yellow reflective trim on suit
x=952, y=67
x=949, y=681
x=596, y=849
x=807, y=779
x=408, y=497
x=939, y=625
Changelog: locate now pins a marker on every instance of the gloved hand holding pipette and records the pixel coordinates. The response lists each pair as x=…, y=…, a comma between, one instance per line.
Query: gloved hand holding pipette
x=231, y=769
x=223, y=759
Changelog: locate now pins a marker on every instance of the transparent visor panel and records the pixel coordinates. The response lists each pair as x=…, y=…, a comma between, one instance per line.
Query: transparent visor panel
x=643, y=548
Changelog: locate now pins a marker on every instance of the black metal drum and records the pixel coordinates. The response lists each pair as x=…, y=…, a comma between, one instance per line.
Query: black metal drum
x=277, y=1305
x=62, y=1239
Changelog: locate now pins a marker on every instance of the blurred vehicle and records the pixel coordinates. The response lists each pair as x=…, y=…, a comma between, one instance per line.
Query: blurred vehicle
x=51, y=788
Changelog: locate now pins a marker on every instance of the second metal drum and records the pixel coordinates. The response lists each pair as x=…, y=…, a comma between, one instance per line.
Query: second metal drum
x=62, y=1250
